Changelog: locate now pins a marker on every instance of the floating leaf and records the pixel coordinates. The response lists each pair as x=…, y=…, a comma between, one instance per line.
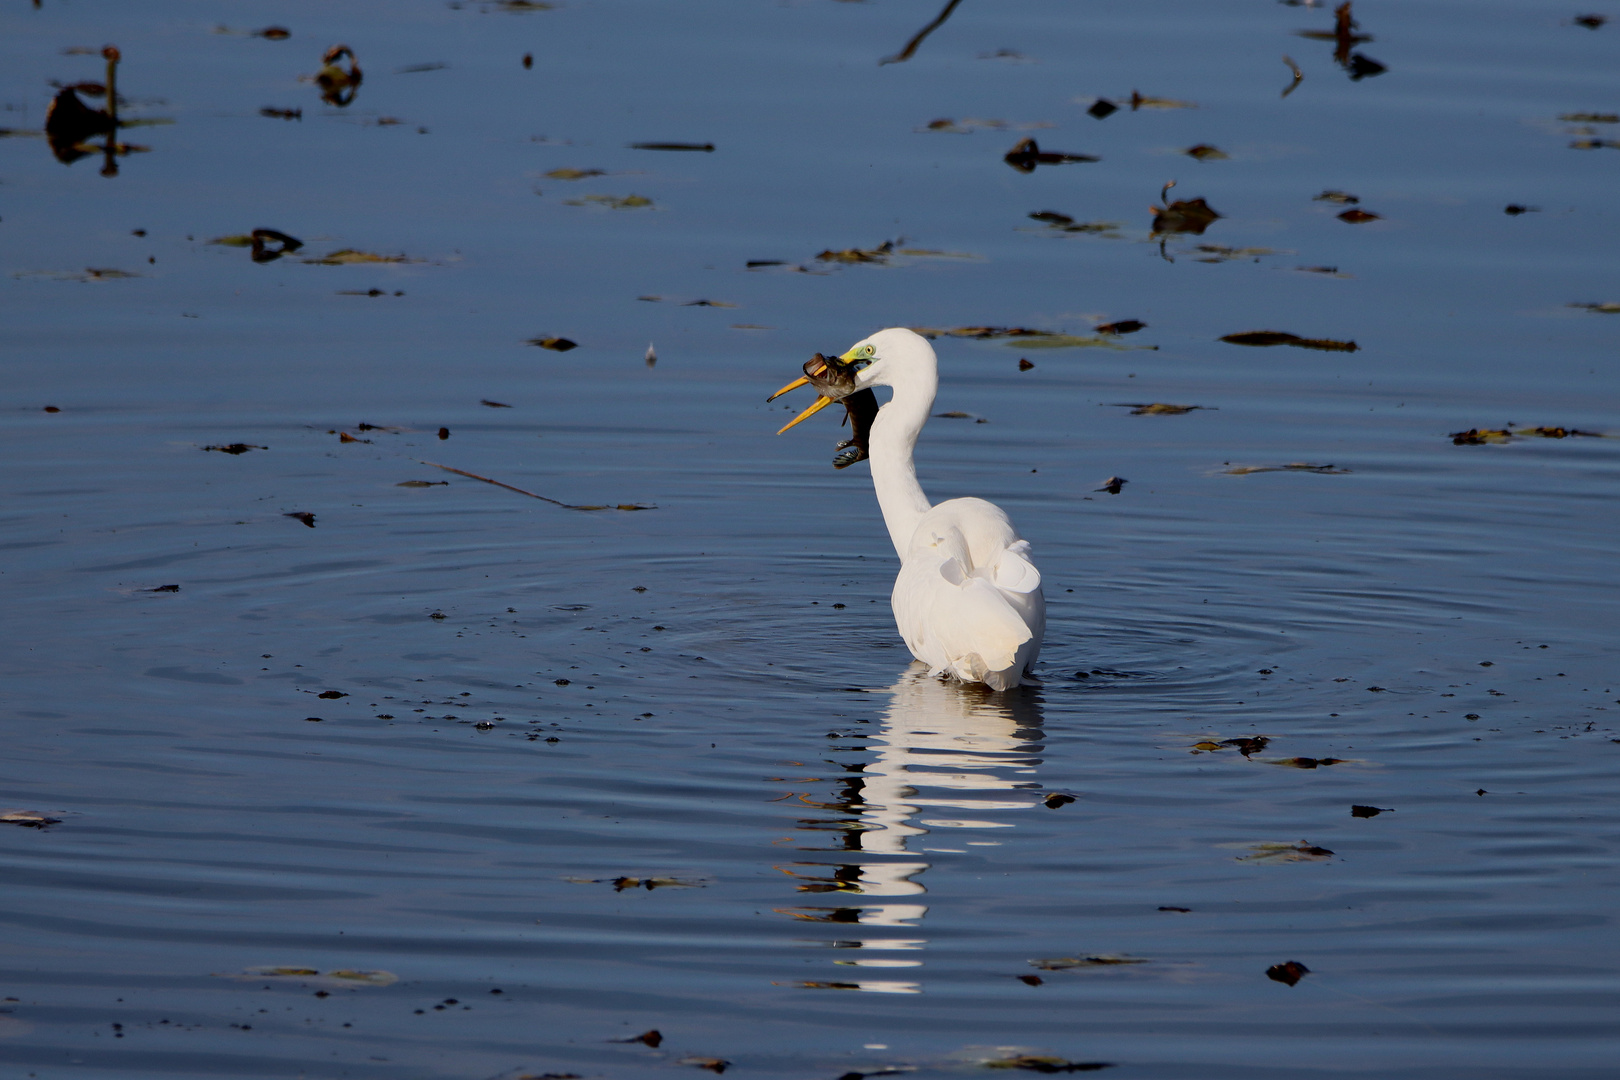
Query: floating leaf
x=1113, y=485
x=1156, y=408
x=1205, y=152
x=1358, y=216
x=27, y=819
x=236, y=448
x=1608, y=307
x=1055, y=800
x=555, y=344
x=349, y=256
x=1370, y=811
x=1044, y=1064
x=1482, y=436
x=713, y=1064
x=653, y=1038
x=706, y=148
x=1331, y=195
x=1306, y=762
x=1102, y=109
x=1274, y=853
x=613, y=202
x=1591, y=22
x=1124, y=326
x=1063, y=223
x=1590, y=118
x=423, y=483
x=1027, y=154
x=1292, y=466
x=1067, y=963
x=1184, y=216
x=302, y=515
x=1267, y=338
x=574, y=174
x=1219, y=253
x=1288, y=973
x=1142, y=101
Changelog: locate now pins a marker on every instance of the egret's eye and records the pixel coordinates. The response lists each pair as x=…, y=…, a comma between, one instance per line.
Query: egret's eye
x=866, y=353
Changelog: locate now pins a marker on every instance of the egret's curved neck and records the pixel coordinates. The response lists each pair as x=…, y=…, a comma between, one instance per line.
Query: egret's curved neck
x=894, y=476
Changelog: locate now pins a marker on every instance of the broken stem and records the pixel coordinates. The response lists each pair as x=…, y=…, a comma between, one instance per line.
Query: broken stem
x=911, y=46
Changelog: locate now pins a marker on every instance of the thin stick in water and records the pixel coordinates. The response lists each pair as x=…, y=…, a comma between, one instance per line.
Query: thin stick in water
x=911, y=46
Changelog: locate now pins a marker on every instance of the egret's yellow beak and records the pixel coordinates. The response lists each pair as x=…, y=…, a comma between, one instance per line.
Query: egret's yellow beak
x=815, y=407
x=794, y=385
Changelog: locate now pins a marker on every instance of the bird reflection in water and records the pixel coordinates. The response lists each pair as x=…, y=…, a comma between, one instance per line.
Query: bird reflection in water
x=949, y=756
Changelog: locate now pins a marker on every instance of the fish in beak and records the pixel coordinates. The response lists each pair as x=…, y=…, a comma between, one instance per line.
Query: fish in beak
x=834, y=380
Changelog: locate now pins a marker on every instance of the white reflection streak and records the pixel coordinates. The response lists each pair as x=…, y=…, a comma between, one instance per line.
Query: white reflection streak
x=952, y=742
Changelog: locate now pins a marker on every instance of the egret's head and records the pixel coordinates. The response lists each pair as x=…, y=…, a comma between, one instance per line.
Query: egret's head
x=890, y=357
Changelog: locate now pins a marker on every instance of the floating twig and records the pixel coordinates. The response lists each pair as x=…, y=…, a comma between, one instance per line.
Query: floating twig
x=911, y=46
x=532, y=495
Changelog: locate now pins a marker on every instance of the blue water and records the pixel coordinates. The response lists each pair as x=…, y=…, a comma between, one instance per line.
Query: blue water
x=851, y=865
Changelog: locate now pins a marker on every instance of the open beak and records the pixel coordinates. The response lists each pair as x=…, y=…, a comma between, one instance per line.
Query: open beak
x=819, y=404
x=794, y=385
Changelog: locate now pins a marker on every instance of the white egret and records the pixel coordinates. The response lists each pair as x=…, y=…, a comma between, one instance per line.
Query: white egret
x=968, y=600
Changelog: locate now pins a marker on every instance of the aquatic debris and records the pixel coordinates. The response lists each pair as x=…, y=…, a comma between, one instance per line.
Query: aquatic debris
x=1123, y=326
x=1590, y=118
x=1306, y=762
x=350, y=257
x=555, y=344
x=612, y=202
x=331, y=695
x=236, y=448
x=274, y=113
x=969, y=124
x=653, y=1038
x=1172, y=907
x=1027, y=980
x=1068, y=963
x=1344, y=37
x=1608, y=307
x=706, y=148
x=1358, y=216
x=1292, y=466
x=1595, y=144
x=163, y=588
x=713, y=1064
x=1025, y=365
x=917, y=39
x=1025, y=338
x=423, y=483
x=1113, y=485
x=445, y=434
x=1219, y=253
x=339, y=85
x=1285, y=853
x=1591, y=22
x=1156, y=408
x=1063, y=223
x=1142, y=101
x=1515, y=209
x=417, y=69
x=1299, y=76
x=1267, y=338
x=1288, y=973
x=1205, y=152
x=368, y=292
x=1027, y=154
x=574, y=174
x=273, y=33
x=302, y=515
x=1044, y=1064
x=336, y=978
x=1102, y=109
x=27, y=819
x=1182, y=216
x=1482, y=436
x=1052, y=802
x=879, y=255
x=493, y=404
x=261, y=241
x=1370, y=811
x=1334, y=196
x=1244, y=744
x=651, y=356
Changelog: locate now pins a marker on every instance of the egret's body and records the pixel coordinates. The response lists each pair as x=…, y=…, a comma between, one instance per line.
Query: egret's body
x=968, y=600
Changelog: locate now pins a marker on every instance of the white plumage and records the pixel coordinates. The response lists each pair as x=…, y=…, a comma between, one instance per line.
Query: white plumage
x=968, y=599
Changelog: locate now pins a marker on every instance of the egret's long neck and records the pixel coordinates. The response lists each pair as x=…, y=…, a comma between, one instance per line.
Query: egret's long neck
x=894, y=476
